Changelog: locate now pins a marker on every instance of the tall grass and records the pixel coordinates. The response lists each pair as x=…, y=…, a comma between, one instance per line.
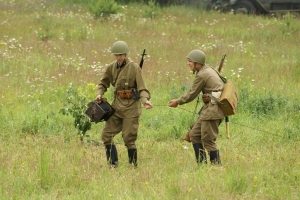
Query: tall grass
x=44, y=46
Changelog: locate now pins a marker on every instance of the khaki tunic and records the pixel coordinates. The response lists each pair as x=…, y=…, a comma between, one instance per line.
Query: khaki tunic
x=127, y=112
x=205, y=129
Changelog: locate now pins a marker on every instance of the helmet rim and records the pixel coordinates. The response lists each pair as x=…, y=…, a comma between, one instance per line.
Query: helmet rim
x=119, y=47
x=197, y=56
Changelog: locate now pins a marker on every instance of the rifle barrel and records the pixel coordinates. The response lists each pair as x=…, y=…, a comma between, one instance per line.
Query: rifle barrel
x=142, y=59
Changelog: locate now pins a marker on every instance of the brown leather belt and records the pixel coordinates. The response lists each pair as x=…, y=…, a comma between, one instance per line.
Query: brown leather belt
x=125, y=94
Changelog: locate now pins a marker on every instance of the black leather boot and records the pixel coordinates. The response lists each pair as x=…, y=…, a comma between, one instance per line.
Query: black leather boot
x=200, y=153
x=132, y=155
x=112, y=155
x=215, y=157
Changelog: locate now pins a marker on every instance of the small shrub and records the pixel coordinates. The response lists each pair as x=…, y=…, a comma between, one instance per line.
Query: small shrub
x=152, y=9
x=290, y=24
x=101, y=8
x=76, y=106
x=46, y=28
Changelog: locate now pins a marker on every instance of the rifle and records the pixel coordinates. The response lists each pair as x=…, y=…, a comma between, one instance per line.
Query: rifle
x=226, y=118
x=221, y=63
x=142, y=60
x=135, y=92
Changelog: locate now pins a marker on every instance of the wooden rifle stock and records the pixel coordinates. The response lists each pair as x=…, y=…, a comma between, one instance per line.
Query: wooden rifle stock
x=221, y=63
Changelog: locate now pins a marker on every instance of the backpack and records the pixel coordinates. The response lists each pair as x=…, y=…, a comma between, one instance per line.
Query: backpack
x=229, y=98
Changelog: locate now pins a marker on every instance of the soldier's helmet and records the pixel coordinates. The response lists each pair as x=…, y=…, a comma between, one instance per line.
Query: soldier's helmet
x=119, y=47
x=197, y=56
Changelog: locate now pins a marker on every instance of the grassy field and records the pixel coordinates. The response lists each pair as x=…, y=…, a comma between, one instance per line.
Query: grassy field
x=45, y=46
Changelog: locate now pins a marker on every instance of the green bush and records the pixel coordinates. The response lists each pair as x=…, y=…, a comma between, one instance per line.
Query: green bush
x=102, y=8
x=152, y=9
x=76, y=106
x=47, y=25
x=261, y=104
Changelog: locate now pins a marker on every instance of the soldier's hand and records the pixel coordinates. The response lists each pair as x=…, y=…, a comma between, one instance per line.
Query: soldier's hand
x=173, y=103
x=99, y=98
x=205, y=98
x=148, y=105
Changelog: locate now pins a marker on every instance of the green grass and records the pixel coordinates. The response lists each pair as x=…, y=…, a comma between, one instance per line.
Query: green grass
x=45, y=46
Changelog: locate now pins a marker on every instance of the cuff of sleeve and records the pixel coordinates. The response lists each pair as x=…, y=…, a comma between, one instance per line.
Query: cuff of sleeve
x=144, y=100
x=100, y=92
x=145, y=96
x=179, y=101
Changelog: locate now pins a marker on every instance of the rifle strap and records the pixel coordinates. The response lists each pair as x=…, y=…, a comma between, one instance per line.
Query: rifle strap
x=221, y=77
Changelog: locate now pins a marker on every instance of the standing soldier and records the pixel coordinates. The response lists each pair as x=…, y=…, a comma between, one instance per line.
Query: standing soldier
x=204, y=132
x=129, y=91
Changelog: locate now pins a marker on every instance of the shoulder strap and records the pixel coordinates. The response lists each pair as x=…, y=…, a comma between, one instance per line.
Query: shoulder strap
x=113, y=73
x=113, y=70
x=221, y=77
x=127, y=77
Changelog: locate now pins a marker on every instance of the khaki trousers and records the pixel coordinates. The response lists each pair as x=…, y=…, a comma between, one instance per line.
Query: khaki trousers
x=114, y=125
x=206, y=132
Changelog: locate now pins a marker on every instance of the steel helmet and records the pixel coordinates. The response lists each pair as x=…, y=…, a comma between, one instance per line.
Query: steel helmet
x=197, y=56
x=119, y=47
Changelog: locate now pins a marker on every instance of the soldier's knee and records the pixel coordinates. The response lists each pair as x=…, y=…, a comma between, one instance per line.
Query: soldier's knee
x=209, y=146
x=106, y=139
x=130, y=146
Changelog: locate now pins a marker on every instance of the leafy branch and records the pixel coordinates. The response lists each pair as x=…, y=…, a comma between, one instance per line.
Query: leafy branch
x=76, y=106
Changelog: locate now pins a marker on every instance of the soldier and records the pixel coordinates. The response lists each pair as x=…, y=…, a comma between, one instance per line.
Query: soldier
x=204, y=132
x=129, y=91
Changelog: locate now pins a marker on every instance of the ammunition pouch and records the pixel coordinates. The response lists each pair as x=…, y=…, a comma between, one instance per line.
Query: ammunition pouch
x=135, y=94
x=125, y=94
x=99, y=112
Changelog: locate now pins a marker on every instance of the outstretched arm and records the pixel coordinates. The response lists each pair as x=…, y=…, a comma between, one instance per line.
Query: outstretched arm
x=173, y=103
